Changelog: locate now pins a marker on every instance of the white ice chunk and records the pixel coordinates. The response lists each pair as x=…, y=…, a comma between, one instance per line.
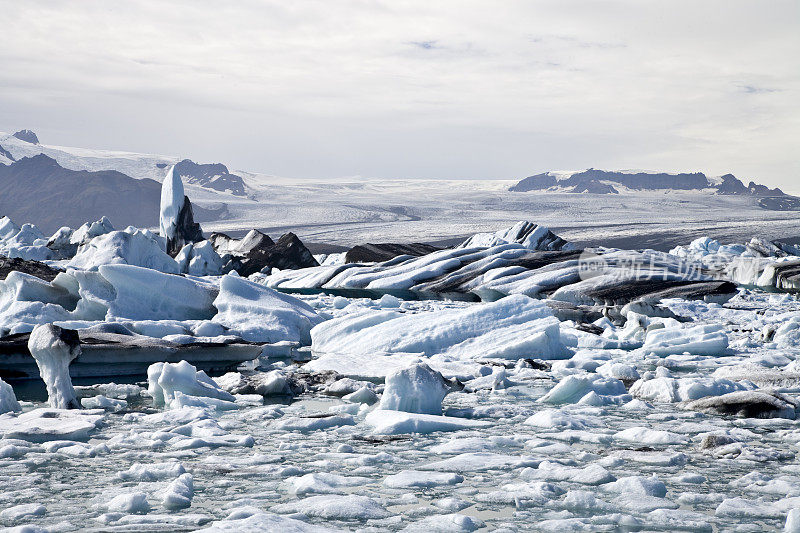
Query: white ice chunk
x=54, y=348
x=415, y=389
x=260, y=314
x=44, y=425
x=145, y=294
x=386, y=422
x=511, y=328
x=199, y=259
x=705, y=339
x=167, y=380
x=152, y=471
x=8, y=400
x=123, y=248
x=336, y=507
x=130, y=503
x=179, y=493
x=574, y=387
x=172, y=194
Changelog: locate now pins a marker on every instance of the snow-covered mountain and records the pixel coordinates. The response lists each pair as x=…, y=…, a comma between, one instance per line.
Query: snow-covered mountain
x=353, y=210
x=603, y=182
x=38, y=190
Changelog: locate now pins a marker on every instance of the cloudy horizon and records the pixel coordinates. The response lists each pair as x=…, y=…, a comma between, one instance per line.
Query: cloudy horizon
x=422, y=90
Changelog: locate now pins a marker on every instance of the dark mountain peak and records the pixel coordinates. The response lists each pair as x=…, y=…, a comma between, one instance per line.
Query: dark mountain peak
x=210, y=175
x=599, y=181
x=731, y=185
x=27, y=135
x=38, y=161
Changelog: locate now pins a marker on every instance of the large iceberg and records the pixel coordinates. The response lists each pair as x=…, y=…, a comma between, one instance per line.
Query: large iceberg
x=124, y=248
x=260, y=314
x=511, y=328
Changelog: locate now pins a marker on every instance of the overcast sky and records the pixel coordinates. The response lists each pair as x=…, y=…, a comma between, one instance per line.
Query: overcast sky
x=448, y=89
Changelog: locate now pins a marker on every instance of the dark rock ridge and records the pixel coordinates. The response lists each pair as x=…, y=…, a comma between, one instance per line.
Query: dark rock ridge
x=186, y=231
x=374, y=253
x=257, y=252
x=27, y=135
x=34, y=268
x=212, y=176
x=595, y=187
x=583, y=181
x=41, y=191
x=6, y=154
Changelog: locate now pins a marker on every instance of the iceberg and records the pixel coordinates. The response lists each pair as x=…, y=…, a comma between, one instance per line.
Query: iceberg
x=259, y=314
x=168, y=381
x=511, y=328
x=415, y=389
x=54, y=348
x=123, y=248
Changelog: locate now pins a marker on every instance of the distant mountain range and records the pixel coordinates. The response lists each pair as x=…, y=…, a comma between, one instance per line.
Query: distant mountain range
x=213, y=176
x=39, y=190
x=602, y=182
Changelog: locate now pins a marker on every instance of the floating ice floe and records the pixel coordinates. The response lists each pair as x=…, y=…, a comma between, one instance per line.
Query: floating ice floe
x=760, y=262
x=705, y=339
x=43, y=425
x=491, y=266
x=750, y=404
x=170, y=383
x=511, y=328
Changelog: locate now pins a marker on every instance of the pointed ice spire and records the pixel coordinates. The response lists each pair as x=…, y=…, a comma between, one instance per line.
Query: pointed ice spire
x=171, y=203
x=176, y=221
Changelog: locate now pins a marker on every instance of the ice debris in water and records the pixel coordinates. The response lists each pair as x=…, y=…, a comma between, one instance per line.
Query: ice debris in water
x=415, y=389
x=167, y=382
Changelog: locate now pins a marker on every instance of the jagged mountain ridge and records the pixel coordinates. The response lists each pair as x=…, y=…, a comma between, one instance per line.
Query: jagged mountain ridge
x=592, y=180
x=211, y=175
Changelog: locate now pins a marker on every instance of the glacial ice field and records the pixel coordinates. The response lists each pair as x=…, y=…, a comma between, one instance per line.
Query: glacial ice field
x=593, y=439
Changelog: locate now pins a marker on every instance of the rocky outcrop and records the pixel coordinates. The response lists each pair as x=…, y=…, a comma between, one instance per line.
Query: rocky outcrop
x=595, y=187
x=375, y=253
x=538, y=182
x=288, y=253
x=34, y=268
x=27, y=135
x=257, y=252
x=186, y=231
